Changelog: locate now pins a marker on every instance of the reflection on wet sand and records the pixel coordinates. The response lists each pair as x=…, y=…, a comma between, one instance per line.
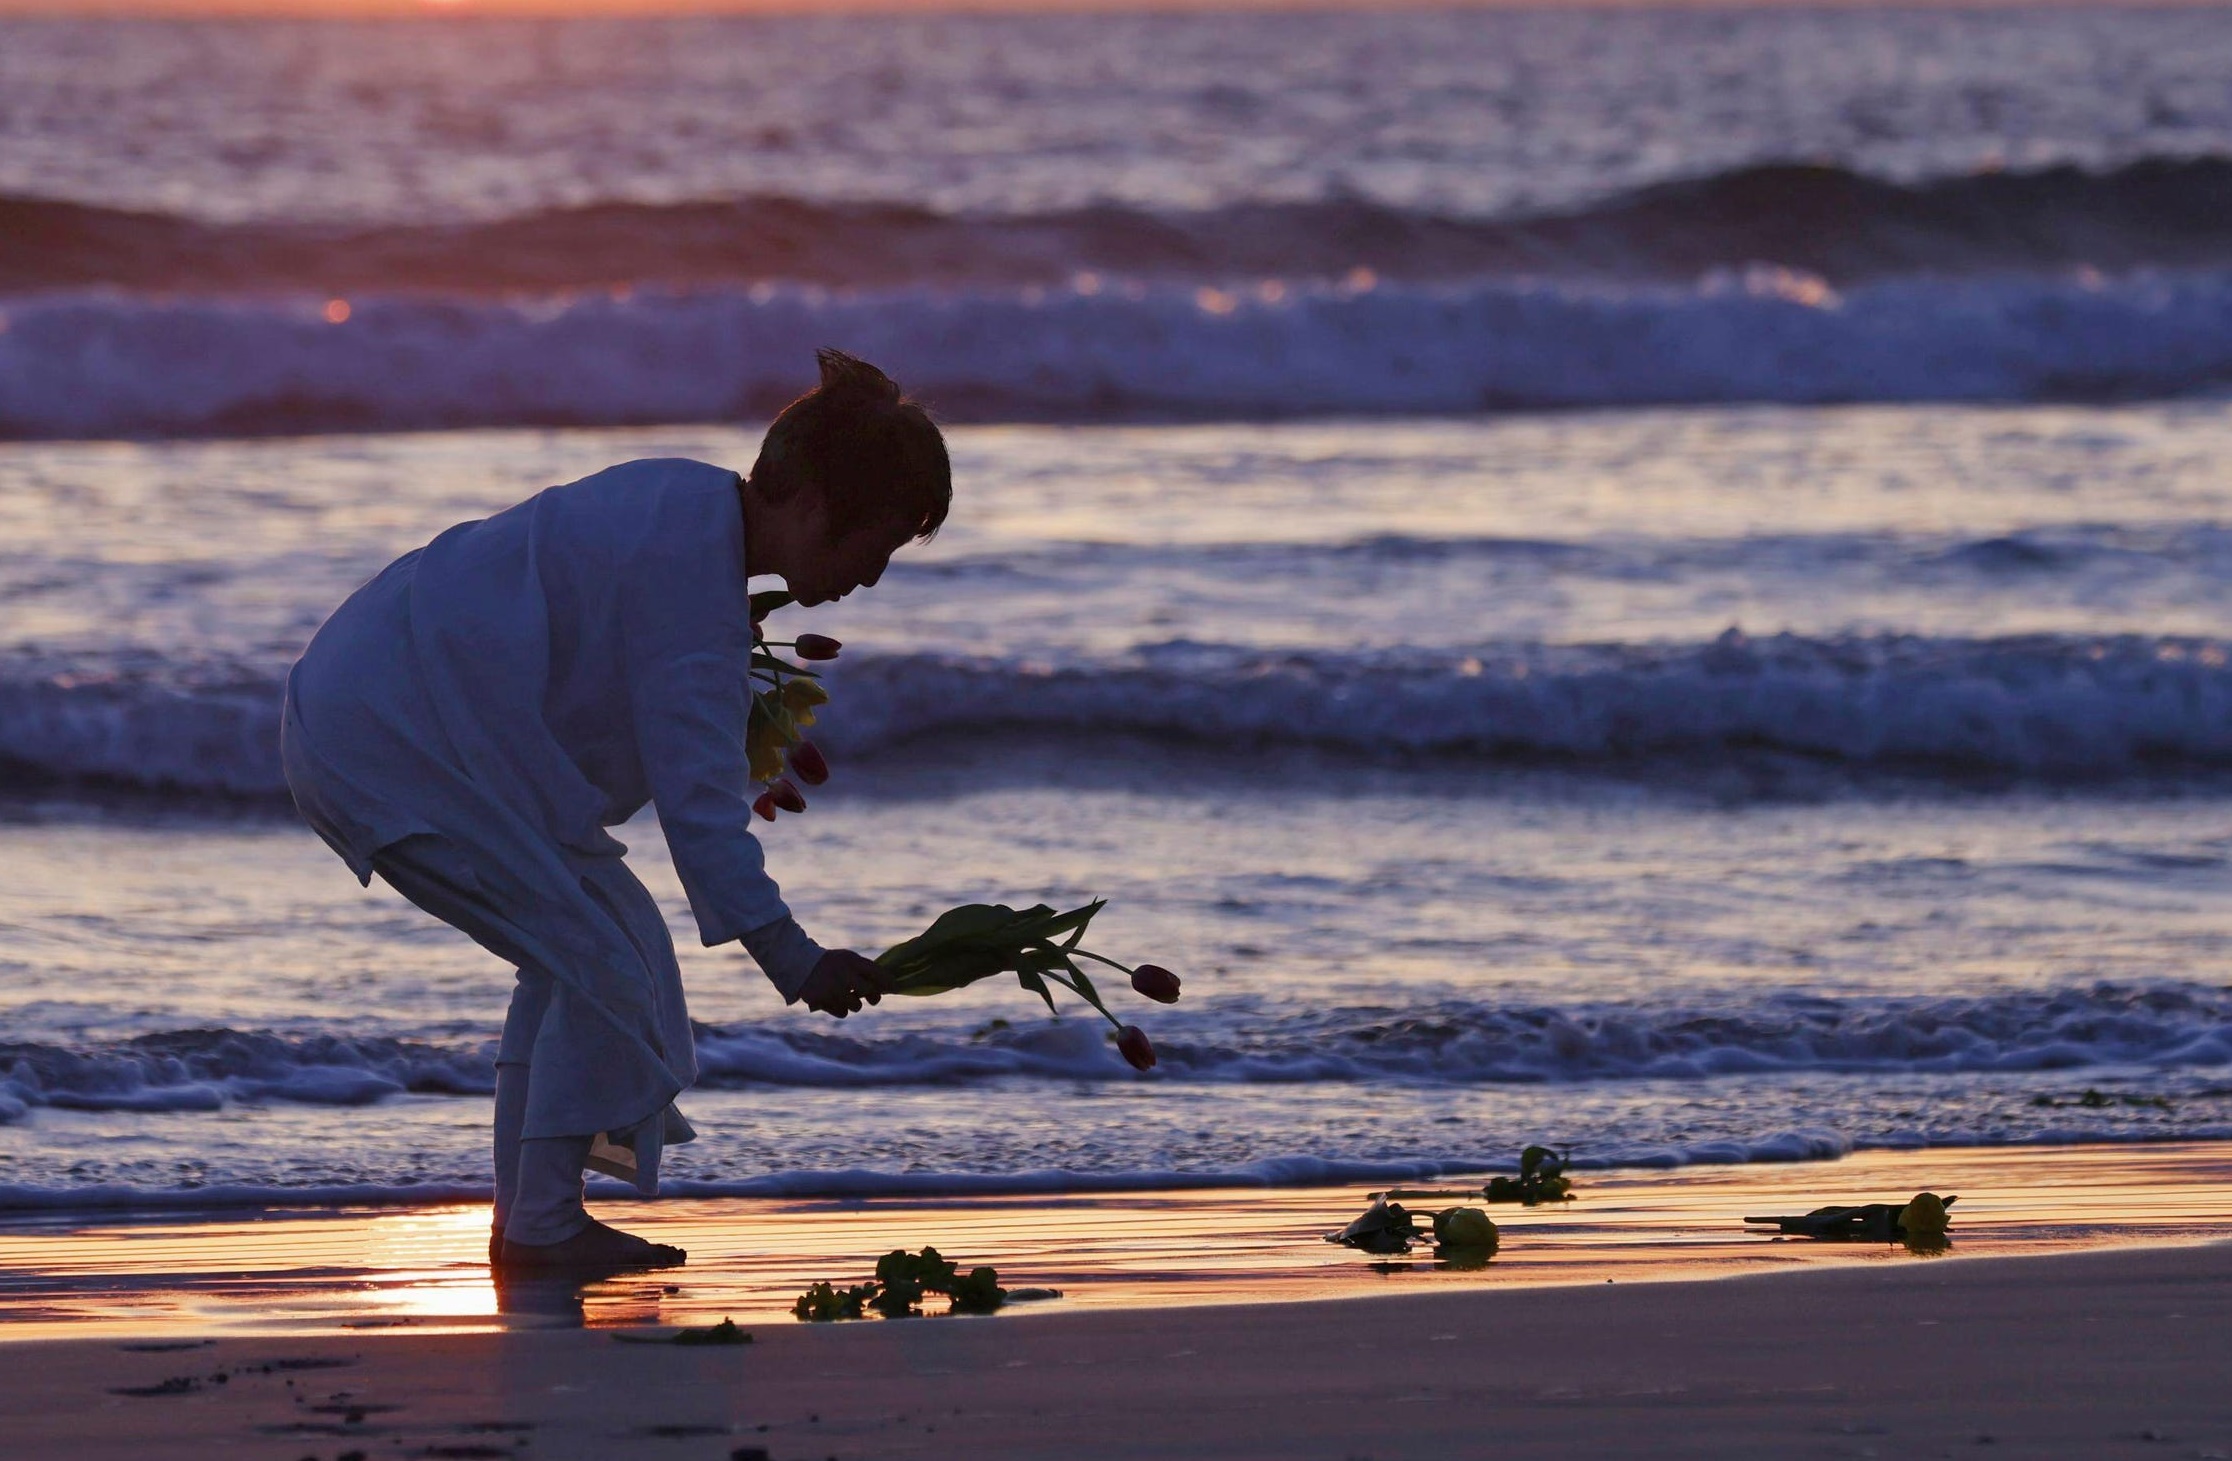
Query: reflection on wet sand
x=425, y=1269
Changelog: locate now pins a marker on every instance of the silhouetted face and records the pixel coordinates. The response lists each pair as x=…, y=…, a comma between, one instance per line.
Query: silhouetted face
x=834, y=566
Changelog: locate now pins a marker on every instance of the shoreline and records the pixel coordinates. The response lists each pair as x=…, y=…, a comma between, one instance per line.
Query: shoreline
x=23, y=1206
x=163, y=1276
x=2070, y=1354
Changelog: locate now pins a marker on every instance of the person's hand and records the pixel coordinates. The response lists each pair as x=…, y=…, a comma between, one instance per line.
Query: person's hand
x=842, y=980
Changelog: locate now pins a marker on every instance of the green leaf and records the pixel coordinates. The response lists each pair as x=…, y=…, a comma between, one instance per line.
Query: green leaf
x=724, y=1332
x=1040, y=960
x=928, y=1268
x=1076, y=918
x=952, y=970
x=823, y=1302
x=978, y=1291
x=769, y=600
x=1385, y=1227
x=1044, y=923
x=970, y=923
x=977, y=940
x=1037, y=986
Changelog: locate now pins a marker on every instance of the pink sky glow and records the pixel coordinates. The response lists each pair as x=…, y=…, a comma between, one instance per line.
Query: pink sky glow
x=81, y=8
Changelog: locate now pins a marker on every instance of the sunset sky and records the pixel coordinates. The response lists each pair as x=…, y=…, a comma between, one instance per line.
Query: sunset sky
x=672, y=7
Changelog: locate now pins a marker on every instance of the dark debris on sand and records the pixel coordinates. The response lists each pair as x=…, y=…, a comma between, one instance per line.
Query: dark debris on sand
x=175, y=1385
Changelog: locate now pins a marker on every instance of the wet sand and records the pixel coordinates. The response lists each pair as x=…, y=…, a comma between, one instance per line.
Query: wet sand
x=2082, y=1311
x=2080, y=1355
x=154, y=1276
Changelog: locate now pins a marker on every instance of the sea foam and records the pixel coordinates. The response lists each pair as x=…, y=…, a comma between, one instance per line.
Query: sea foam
x=2091, y=707
x=1450, y=1043
x=107, y=364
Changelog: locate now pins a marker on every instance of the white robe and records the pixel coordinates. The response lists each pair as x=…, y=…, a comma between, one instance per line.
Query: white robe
x=502, y=696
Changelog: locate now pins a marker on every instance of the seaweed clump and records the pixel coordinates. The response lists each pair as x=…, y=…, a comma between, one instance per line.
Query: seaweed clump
x=1542, y=1178
x=903, y=1280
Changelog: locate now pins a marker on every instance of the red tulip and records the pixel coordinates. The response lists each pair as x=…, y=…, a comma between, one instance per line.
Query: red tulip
x=1133, y=1045
x=807, y=760
x=1156, y=982
x=817, y=646
x=787, y=795
x=765, y=806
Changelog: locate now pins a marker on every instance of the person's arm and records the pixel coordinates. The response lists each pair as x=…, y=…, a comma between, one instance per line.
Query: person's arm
x=690, y=718
x=690, y=713
x=785, y=953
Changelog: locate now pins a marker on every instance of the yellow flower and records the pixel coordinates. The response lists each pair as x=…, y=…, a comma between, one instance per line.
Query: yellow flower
x=1465, y=1227
x=1924, y=1217
x=799, y=697
x=763, y=745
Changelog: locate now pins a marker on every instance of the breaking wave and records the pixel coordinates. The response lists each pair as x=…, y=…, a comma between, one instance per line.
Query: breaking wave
x=2081, y=707
x=1471, y=1043
x=209, y=1069
x=102, y=364
x=859, y=1182
x=201, y=730
x=2045, y=705
x=1843, y=225
x=1451, y=1043
x=1290, y=1171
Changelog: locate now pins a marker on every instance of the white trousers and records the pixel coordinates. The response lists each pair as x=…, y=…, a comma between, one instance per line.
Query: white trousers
x=547, y=1061
x=538, y=1183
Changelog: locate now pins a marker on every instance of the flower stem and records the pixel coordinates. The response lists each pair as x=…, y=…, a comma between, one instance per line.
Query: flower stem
x=1081, y=994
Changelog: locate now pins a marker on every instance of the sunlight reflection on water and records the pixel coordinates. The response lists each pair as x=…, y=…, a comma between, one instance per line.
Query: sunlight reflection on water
x=425, y=1269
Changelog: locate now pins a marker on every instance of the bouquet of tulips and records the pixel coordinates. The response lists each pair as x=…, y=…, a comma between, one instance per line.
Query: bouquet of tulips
x=1039, y=946
x=784, y=699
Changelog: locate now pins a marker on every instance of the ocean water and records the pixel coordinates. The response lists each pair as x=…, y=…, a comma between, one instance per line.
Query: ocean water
x=1822, y=740
x=1702, y=785
x=256, y=226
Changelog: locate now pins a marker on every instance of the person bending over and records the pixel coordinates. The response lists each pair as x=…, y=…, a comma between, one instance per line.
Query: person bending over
x=471, y=721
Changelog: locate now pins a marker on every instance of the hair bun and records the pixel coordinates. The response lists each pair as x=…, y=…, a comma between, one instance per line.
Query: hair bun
x=850, y=375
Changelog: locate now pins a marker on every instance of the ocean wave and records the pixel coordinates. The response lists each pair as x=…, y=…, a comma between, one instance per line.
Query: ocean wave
x=1447, y=1043
x=2029, y=554
x=2078, y=707
x=95, y=364
x=1831, y=221
x=141, y=723
x=865, y=1182
x=210, y=1069
x=1475, y=1043
x=2045, y=705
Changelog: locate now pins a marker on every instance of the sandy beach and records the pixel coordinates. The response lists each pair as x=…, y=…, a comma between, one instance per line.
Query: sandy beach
x=2080, y=1311
x=2081, y=1355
